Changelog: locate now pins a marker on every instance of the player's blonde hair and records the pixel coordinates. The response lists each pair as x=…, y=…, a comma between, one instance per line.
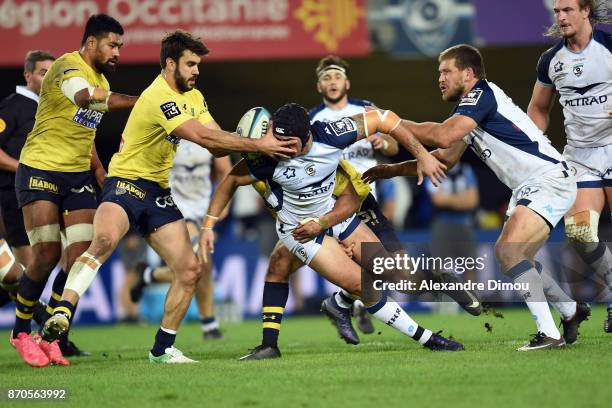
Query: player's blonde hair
x=598, y=14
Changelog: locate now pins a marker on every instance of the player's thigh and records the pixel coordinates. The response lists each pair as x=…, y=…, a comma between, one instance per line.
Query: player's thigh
x=110, y=224
x=590, y=199
x=78, y=232
x=42, y=222
x=333, y=264
x=608, y=191
x=172, y=243
x=282, y=264
x=522, y=235
x=361, y=234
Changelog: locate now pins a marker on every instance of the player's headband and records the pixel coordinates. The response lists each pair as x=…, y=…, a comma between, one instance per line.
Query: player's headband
x=329, y=68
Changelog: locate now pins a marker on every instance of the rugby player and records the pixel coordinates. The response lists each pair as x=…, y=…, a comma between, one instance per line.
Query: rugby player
x=333, y=85
x=503, y=136
x=579, y=68
x=136, y=192
x=57, y=166
x=301, y=191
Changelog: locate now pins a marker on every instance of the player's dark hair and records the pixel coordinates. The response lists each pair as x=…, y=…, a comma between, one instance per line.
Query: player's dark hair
x=291, y=119
x=99, y=25
x=465, y=57
x=598, y=14
x=32, y=57
x=173, y=45
x=329, y=61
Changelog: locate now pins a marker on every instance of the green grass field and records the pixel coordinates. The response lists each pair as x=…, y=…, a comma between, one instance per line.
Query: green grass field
x=317, y=369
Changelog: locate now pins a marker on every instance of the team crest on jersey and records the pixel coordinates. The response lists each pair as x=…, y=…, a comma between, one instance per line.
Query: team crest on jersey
x=170, y=110
x=310, y=169
x=471, y=98
x=289, y=172
x=558, y=66
x=343, y=126
x=578, y=69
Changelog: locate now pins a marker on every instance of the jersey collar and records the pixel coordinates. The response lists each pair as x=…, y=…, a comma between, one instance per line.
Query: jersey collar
x=22, y=90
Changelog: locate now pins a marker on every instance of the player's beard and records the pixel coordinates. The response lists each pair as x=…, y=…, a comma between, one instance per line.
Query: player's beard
x=104, y=68
x=332, y=101
x=181, y=83
x=456, y=93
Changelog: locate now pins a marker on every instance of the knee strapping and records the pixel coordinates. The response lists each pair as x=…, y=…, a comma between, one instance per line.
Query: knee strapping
x=79, y=233
x=44, y=233
x=7, y=259
x=582, y=226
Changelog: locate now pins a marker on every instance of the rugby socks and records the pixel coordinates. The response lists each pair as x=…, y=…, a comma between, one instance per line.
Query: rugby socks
x=28, y=294
x=275, y=297
x=524, y=273
x=344, y=299
x=209, y=323
x=392, y=314
x=600, y=259
x=66, y=308
x=163, y=339
x=564, y=304
x=56, y=292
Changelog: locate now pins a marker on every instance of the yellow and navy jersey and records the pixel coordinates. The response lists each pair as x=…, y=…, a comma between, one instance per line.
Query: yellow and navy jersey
x=345, y=174
x=148, y=146
x=63, y=133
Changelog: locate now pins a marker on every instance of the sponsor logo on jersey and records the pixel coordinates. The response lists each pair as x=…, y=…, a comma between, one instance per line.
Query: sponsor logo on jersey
x=88, y=118
x=316, y=191
x=342, y=126
x=300, y=252
x=123, y=187
x=170, y=109
x=484, y=154
x=38, y=183
x=89, y=188
x=358, y=154
x=471, y=98
x=587, y=101
x=173, y=139
x=528, y=190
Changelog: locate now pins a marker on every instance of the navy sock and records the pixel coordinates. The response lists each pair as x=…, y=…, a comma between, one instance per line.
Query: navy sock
x=275, y=297
x=163, y=340
x=28, y=294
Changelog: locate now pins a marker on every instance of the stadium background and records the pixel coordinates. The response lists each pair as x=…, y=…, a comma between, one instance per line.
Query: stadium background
x=390, y=45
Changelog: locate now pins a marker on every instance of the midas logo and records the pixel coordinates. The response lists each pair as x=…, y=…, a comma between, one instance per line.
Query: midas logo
x=37, y=183
x=131, y=189
x=331, y=20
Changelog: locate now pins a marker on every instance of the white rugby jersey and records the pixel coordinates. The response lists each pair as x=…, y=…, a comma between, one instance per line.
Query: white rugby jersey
x=584, y=83
x=505, y=139
x=360, y=154
x=190, y=180
x=302, y=187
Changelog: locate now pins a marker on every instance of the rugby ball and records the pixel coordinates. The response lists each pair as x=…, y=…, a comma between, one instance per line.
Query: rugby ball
x=254, y=123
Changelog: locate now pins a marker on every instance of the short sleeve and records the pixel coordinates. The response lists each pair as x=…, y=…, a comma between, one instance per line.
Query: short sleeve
x=340, y=133
x=166, y=112
x=542, y=70
x=477, y=104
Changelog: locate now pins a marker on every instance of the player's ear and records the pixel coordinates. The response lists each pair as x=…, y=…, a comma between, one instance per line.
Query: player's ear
x=319, y=89
x=91, y=42
x=348, y=84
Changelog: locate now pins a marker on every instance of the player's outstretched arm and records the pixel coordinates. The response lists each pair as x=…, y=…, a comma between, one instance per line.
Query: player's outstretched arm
x=449, y=157
x=238, y=176
x=540, y=104
x=220, y=142
x=389, y=122
x=443, y=134
x=347, y=204
x=85, y=95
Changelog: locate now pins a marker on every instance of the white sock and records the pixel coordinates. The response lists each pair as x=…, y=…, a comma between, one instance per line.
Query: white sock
x=340, y=300
x=206, y=327
x=601, y=261
x=390, y=313
x=169, y=331
x=565, y=305
x=147, y=276
x=524, y=273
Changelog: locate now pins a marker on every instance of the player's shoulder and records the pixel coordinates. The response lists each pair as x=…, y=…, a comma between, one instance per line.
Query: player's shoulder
x=316, y=110
x=549, y=54
x=69, y=59
x=604, y=38
x=481, y=93
x=329, y=133
x=260, y=166
x=361, y=102
x=10, y=101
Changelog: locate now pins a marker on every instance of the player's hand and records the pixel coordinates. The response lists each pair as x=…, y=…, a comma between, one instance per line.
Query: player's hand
x=382, y=171
x=100, y=175
x=348, y=249
x=277, y=149
x=378, y=143
x=307, y=231
x=207, y=244
x=429, y=166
